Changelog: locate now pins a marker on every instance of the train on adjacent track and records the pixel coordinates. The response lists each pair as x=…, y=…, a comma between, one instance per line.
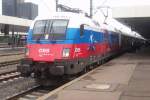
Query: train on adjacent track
x=65, y=44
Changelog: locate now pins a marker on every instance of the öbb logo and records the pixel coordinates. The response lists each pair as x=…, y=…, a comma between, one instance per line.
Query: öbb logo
x=44, y=50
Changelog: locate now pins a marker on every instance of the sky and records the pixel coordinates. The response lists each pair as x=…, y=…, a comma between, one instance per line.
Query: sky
x=48, y=6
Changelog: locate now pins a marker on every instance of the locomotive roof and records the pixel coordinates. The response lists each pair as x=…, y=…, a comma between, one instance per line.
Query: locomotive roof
x=77, y=20
x=60, y=15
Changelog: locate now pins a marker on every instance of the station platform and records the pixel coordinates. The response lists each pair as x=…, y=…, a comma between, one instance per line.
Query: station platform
x=5, y=51
x=10, y=48
x=124, y=78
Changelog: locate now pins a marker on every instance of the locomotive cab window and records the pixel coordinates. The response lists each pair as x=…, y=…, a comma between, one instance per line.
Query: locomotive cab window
x=54, y=29
x=39, y=29
x=58, y=29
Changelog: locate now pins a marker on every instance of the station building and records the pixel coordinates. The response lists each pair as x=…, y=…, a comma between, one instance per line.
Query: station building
x=18, y=8
x=15, y=18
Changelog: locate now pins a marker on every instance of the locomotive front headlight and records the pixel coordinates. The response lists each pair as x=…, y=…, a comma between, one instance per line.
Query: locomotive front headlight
x=27, y=52
x=66, y=52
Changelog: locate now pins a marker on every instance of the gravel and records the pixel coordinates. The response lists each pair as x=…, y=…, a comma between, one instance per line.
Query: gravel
x=14, y=87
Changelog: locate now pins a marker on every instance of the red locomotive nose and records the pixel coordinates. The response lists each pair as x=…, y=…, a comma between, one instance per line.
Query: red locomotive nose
x=46, y=52
x=41, y=52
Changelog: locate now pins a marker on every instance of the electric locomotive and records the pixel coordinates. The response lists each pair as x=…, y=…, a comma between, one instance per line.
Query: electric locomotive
x=66, y=43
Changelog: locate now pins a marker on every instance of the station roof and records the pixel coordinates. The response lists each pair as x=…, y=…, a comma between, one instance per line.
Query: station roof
x=15, y=21
x=16, y=24
x=137, y=17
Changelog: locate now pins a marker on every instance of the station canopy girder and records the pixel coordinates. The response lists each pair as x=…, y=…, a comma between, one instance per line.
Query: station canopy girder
x=140, y=25
x=136, y=17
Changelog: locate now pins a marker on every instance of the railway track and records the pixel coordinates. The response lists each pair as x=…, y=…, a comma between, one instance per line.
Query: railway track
x=31, y=94
x=11, y=54
x=9, y=76
x=10, y=58
x=6, y=63
x=37, y=91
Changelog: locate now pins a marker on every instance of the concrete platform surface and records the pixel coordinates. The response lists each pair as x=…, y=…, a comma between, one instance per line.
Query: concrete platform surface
x=124, y=78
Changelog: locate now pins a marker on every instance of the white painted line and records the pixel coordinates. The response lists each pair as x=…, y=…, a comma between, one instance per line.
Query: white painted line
x=46, y=96
x=98, y=86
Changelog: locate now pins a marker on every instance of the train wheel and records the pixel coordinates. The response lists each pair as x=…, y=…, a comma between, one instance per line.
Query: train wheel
x=99, y=63
x=91, y=67
x=83, y=71
x=103, y=61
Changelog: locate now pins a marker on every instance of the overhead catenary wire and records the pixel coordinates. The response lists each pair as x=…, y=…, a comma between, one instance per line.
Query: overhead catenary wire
x=99, y=8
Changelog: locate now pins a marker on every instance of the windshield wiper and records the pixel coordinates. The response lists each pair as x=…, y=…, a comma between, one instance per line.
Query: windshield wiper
x=51, y=31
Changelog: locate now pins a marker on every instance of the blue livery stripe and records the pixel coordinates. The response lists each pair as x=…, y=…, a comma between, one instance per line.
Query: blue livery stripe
x=73, y=37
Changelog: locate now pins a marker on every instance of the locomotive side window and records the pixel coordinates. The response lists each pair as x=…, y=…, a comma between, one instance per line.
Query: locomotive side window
x=81, y=30
x=106, y=35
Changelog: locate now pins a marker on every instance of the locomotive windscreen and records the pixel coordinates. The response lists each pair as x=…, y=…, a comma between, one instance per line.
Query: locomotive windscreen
x=50, y=30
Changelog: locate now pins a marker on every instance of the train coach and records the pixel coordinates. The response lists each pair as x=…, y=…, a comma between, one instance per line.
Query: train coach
x=66, y=44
